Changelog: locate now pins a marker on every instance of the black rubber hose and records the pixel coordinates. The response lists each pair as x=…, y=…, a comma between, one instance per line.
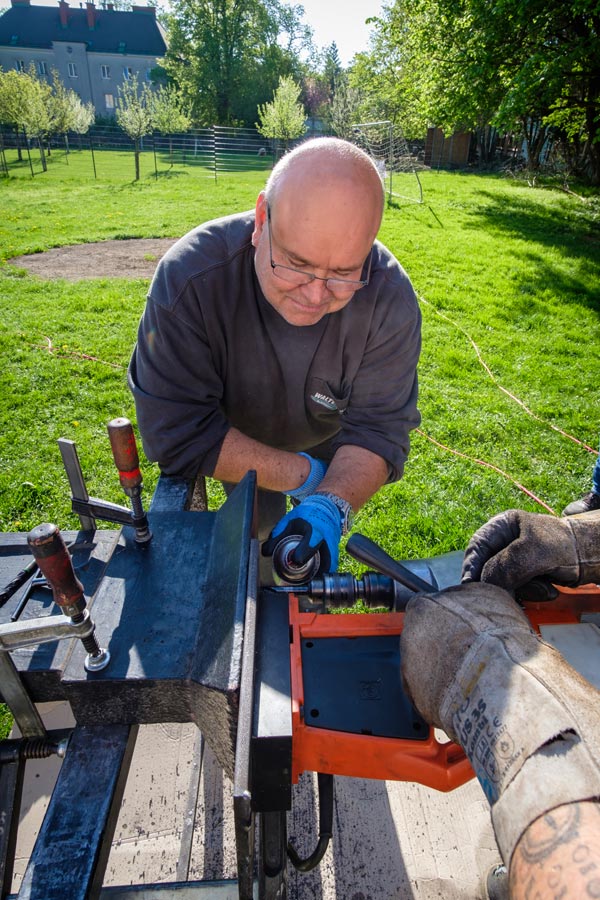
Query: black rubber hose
x=325, y=785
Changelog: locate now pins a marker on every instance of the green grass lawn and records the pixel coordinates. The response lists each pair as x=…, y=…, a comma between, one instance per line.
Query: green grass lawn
x=509, y=277
x=503, y=270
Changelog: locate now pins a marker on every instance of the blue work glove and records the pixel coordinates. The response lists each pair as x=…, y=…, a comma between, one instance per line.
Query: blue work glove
x=319, y=523
x=317, y=472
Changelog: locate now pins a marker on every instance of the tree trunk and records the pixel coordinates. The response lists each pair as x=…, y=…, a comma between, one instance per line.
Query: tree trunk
x=18, y=141
x=594, y=163
x=535, y=137
x=136, y=152
x=42, y=155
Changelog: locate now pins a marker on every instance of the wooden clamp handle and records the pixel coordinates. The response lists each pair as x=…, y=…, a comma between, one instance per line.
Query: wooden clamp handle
x=50, y=551
x=125, y=454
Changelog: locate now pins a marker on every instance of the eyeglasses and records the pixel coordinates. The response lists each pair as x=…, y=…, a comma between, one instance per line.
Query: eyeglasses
x=298, y=277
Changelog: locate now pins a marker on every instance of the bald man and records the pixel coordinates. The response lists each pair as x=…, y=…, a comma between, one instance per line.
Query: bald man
x=286, y=340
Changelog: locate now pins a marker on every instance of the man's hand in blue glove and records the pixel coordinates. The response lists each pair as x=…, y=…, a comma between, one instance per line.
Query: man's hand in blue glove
x=319, y=523
x=318, y=469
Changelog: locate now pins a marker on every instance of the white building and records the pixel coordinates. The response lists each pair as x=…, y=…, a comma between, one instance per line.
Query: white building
x=94, y=49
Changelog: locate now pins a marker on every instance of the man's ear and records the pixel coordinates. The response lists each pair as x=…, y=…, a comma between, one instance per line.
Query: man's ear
x=260, y=218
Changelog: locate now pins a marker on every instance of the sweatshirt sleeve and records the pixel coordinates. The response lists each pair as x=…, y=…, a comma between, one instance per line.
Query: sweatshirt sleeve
x=177, y=393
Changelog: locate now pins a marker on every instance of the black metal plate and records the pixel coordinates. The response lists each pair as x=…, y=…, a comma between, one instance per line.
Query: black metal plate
x=354, y=685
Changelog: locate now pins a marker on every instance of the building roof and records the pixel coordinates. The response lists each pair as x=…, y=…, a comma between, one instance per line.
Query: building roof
x=103, y=30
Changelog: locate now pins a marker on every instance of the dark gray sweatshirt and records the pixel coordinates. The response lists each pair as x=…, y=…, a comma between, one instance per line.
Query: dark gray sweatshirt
x=213, y=353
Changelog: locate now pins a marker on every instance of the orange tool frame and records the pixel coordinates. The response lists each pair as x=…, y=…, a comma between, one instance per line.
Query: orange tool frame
x=431, y=762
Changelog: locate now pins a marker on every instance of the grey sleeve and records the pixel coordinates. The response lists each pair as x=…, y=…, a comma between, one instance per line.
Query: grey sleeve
x=383, y=401
x=177, y=393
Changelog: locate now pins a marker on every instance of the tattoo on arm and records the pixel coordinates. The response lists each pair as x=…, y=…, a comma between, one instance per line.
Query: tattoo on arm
x=558, y=857
x=555, y=828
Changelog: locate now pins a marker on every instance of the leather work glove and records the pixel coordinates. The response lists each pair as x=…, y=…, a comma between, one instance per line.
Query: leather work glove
x=516, y=546
x=319, y=523
x=318, y=468
x=528, y=722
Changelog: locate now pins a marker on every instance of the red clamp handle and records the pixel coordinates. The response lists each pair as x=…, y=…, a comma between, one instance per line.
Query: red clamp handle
x=125, y=454
x=51, y=554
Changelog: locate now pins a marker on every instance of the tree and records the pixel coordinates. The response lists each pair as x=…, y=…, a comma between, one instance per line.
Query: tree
x=10, y=102
x=134, y=114
x=315, y=96
x=227, y=55
x=344, y=109
x=60, y=107
x=284, y=117
x=168, y=113
x=83, y=115
x=332, y=67
x=33, y=114
x=394, y=76
x=531, y=67
x=40, y=109
x=66, y=111
x=24, y=105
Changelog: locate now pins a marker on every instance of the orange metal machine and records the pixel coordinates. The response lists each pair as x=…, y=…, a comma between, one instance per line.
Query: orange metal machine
x=345, y=711
x=425, y=757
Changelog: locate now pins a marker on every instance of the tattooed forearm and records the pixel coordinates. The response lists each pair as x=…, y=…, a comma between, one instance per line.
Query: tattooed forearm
x=558, y=857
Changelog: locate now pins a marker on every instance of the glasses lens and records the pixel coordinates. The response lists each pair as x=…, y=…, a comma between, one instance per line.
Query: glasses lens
x=292, y=276
x=337, y=286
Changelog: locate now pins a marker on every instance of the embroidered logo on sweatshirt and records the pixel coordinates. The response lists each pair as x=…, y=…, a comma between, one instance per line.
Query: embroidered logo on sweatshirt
x=324, y=400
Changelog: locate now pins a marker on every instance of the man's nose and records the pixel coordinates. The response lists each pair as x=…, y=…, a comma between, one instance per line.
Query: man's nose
x=316, y=291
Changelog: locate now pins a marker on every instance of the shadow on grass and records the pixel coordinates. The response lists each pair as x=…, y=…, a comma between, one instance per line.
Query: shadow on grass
x=572, y=233
x=167, y=175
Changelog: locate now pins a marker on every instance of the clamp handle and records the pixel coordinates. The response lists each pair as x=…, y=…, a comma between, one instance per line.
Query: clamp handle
x=50, y=551
x=125, y=454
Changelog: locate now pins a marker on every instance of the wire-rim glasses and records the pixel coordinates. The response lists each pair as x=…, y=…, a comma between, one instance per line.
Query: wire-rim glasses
x=299, y=277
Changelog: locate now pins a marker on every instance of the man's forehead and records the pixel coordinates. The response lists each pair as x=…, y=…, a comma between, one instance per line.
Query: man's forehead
x=308, y=193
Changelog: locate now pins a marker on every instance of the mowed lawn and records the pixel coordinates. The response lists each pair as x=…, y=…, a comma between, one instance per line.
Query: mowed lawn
x=508, y=276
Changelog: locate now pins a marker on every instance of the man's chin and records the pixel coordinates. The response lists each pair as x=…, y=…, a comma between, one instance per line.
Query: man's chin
x=298, y=314
x=304, y=320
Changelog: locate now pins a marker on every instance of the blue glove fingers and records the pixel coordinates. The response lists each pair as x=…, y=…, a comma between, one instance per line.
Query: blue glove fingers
x=319, y=522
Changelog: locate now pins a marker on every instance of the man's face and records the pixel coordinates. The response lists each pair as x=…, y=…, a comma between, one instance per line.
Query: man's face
x=321, y=239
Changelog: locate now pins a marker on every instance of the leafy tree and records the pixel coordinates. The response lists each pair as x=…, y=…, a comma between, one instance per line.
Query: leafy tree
x=227, y=55
x=9, y=102
x=28, y=101
x=315, y=96
x=332, y=67
x=395, y=75
x=10, y=97
x=60, y=106
x=66, y=110
x=168, y=113
x=20, y=94
x=83, y=115
x=530, y=67
x=294, y=34
x=344, y=109
x=41, y=109
x=134, y=114
x=284, y=117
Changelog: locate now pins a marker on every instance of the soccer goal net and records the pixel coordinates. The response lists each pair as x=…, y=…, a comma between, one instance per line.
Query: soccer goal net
x=387, y=146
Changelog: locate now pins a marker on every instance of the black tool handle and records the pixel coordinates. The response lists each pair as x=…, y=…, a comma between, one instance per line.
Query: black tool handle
x=367, y=551
x=17, y=582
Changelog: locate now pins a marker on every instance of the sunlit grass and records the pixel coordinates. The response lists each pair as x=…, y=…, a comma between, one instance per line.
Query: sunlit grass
x=504, y=271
